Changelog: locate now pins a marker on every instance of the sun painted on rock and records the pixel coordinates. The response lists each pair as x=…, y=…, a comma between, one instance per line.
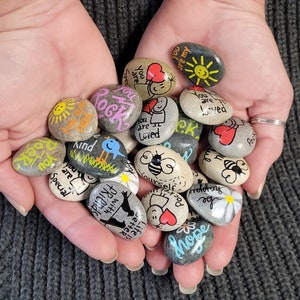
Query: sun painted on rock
x=61, y=110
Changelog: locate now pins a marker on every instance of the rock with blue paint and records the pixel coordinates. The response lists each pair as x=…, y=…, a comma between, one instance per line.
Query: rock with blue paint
x=157, y=122
x=118, y=209
x=216, y=203
x=101, y=155
x=234, y=137
x=166, y=210
x=189, y=242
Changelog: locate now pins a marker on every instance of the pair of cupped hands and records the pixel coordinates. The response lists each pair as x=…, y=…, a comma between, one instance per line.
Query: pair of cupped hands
x=52, y=49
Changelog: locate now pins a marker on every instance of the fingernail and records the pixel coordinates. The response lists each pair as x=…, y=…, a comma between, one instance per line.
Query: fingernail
x=187, y=291
x=135, y=268
x=257, y=195
x=153, y=247
x=111, y=260
x=159, y=272
x=214, y=272
x=16, y=205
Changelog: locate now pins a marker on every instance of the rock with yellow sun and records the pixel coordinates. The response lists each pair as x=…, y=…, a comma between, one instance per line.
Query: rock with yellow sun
x=216, y=203
x=202, y=66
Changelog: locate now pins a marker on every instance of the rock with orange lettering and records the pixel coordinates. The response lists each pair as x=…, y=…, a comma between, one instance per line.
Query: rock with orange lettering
x=73, y=119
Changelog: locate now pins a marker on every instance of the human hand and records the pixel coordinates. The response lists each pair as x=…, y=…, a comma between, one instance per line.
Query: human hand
x=48, y=51
x=255, y=83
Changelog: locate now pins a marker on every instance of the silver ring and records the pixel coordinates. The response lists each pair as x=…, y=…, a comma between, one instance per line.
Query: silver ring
x=267, y=121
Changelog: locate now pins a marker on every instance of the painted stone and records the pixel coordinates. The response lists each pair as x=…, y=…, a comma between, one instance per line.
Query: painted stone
x=217, y=204
x=73, y=119
x=149, y=77
x=101, y=155
x=157, y=122
x=199, y=177
x=189, y=242
x=188, y=126
x=118, y=107
x=185, y=145
x=67, y=183
x=38, y=157
x=166, y=210
x=118, y=209
x=205, y=106
x=201, y=65
x=222, y=169
x=234, y=138
x=164, y=168
x=128, y=177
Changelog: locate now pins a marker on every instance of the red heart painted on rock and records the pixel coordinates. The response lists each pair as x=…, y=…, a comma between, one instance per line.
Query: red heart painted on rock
x=155, y=73
x=167, y=217
x=226, y=134
x=149, y=106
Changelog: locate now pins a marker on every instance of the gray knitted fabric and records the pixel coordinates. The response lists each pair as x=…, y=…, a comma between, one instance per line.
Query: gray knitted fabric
x=37, y=262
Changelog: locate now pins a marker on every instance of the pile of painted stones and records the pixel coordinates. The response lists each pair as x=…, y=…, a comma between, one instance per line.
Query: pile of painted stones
x=88, y=156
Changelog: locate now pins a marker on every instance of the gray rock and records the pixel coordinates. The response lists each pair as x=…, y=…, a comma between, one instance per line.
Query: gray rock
x=189, y=242
x=118, y=209
x=201, y=65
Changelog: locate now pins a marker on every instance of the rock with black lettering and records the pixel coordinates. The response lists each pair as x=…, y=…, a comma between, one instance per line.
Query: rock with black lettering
x=205, y=106
x=201, y=65
x=128, y=177
x=118, y=107
x=189, y=242
x=234, y=137
x=101, y=155
x=149, y=77
x=118, y=209
x=199, y=177
x=68, y=183
x=217, y=204
x=73, y=119
x=225, y=170
x=164, y=168
x=166, y=210
x=40, y=156
x=185, y=145
x=157, y=122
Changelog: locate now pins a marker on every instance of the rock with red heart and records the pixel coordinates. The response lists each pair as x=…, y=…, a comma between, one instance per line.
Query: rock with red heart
x=225, y=170
x=189, y=242
x=118, y=107
x=165, y=209
x=157, y=122
x=205, y=106
x=149, y=77
x=234, y=137
x=216, y=203
x=201, y=65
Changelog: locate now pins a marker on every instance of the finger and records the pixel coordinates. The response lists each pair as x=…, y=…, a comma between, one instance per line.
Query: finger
x=151, y=237
x=75, y=222
x=157, y=258
x=268, y=148
x=225, y=238
x=16, y=188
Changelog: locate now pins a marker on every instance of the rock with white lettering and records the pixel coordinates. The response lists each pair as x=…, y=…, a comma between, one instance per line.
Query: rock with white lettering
x=185, y=145
x=67, y=183
x=222, y=169
x=101, y=155
x=189, y=242
x=128, y=177
x=149, y=77
x=205, y=106
x=157, y=122
x=201, y=65
x=217, y=204
x=118, y=107
x=164, y=168
x=118, y=209
x=73, y=119
x=234, y=137
x=40, y=156
x=166, y=210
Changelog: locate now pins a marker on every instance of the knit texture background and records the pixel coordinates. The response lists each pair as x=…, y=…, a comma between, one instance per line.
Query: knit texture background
x=37, y=262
